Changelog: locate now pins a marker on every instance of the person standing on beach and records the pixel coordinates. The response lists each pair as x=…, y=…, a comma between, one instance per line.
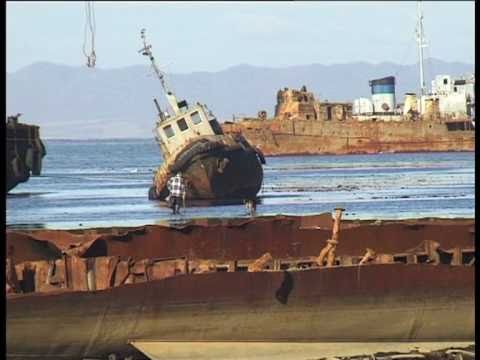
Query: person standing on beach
x=251, y=205
x=176, y=186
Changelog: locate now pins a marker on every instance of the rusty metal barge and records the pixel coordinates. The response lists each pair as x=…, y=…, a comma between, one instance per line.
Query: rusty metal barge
x=24, y=152
x=281, y=283
x=216, y=166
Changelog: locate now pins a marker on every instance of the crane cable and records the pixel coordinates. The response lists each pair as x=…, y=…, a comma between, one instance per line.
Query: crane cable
x=89, y=27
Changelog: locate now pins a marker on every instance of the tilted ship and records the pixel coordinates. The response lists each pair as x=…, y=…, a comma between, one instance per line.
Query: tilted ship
x=442, y=120
x=24, y=152
x=215, y=166
x=238, y=288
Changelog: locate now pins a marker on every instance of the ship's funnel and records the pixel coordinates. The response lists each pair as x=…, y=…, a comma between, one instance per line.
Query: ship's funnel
x=383, y=95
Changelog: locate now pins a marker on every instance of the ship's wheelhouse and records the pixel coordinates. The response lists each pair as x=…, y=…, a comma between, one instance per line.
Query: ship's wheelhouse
x=177, y=130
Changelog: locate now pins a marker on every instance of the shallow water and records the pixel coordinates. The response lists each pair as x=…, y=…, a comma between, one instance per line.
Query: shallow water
x=105, y=183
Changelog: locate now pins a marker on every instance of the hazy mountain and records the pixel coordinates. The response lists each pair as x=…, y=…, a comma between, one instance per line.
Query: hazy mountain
x=77, y=102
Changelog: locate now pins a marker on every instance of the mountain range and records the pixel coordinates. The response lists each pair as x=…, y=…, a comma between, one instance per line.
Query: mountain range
x=81, y=103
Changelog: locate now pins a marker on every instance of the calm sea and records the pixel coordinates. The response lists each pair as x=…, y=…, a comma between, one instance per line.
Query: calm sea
x=105, y=182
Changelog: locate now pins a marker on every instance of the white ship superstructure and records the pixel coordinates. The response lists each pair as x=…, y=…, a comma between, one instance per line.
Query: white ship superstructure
x=456, y=96
x=452, y=97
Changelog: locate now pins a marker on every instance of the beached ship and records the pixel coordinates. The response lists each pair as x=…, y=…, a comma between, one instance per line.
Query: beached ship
x=216, y=166
x=303, y=125
x=238, y=288
x=24, y=152
x=441, y=120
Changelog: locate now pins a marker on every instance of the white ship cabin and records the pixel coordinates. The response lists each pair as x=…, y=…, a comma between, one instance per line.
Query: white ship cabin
x=456, y=95
x=189, y=122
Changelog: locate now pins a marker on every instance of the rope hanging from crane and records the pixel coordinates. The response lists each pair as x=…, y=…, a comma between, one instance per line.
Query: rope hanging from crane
x=89, y=33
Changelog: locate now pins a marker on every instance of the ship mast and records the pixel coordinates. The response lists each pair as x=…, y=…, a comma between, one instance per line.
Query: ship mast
x=171, y=98
x=421, y=44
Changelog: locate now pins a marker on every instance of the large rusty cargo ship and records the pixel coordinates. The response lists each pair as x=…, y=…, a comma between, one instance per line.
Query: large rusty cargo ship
x=442, y=119
x=24, y=152
x=238, y=287
x=303, y=125
x=215, y=166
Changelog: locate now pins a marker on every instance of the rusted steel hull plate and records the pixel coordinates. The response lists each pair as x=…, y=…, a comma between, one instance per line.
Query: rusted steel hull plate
x=393, y=302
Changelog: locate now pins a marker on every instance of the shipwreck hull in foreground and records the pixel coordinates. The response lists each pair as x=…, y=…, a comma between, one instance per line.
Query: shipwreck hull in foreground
x=382, y=302
x=90, y=293
x=242, y=238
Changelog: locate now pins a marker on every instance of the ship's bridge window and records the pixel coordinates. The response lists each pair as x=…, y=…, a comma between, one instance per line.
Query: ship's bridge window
x=217, y=129
x=168, y=131
x=182, y=105
x=182, y=124
x=196, y=119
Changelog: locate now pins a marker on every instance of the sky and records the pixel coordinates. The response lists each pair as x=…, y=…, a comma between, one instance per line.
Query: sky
x=212, y=36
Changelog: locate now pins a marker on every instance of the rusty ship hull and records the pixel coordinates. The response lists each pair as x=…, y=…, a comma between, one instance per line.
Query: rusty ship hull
x=231, y=239
x=24, y=152
x=310, y=137
x=90, y=293
x=303, y=125
x=228, y=172
x=396, y=302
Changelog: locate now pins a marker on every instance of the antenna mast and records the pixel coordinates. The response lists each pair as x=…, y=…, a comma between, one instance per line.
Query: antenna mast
x=421, y=44
x=146, y=50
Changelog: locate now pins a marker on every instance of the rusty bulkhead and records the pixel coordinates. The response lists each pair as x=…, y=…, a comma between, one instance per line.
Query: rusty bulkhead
x=215, y=166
